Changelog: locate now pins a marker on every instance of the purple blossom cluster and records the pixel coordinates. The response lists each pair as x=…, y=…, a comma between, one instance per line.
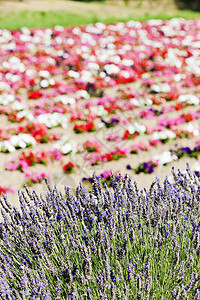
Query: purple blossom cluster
x=105, y=243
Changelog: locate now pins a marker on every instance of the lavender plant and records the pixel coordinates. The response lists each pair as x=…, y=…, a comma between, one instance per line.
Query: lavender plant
x=117, y=243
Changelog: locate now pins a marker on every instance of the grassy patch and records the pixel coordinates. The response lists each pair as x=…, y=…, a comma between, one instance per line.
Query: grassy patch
x=36, y=19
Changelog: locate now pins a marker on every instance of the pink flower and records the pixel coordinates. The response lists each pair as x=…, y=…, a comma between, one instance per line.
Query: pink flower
x=11, y=166
x=112, y=137
x=155, y=142
x=106, y=173
x=27, y=175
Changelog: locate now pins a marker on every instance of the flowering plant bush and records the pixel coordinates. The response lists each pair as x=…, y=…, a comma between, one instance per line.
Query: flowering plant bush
x=52, y=120
x=89, y=127
x=6, y=189
x=65, y=146
x=69, y=167
x=117, y=153
x=186, y=151
x=146, y=167
x=112, y=122
x=36, y=177
x=105, y=243
x=92, y=145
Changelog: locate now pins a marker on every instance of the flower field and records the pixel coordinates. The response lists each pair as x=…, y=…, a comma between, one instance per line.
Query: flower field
x=80, y=99
x=73, y=100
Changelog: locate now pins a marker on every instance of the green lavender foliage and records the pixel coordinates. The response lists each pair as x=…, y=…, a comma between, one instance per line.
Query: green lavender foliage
x=118, y=243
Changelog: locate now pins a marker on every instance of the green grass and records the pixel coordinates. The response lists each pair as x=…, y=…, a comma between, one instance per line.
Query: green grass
x=36, y=19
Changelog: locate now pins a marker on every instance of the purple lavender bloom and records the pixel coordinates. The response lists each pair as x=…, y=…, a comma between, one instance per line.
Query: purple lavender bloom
x=102, y=238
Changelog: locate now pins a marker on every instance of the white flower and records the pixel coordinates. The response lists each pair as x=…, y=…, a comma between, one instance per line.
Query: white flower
x=111, y=69
x=193, y=65
x=5, y=146
x=162, y=135
x=65, y=146
x=172, y=58
x=83, y=94
x=127, y=62
x=73, y=74
x=168, y=31
x=136, y=127
x=52, y=81
x=125, y=74
x=86, y=76
x=141, y=102
x=135, y=102
x=102, y=74
x=148, y=102
x=160, y=88
x=99, y=110
x=115, y=59
x=65, y=99
x=16, y=105
x=155, y=22
x=12, y=77
x=30, y=72
x=4, y=86
x=44, y=74
x=5, y=99
x=179, y=77
x=194, y=128
x=22, y=140
x=53, y=120
x=44, y=83
x=25, y=38
x=25, y=113
x=101, y=125
x=93, y=66
x=25, y=31
x=70, y=41
x=165, y=157
x=189, y=98
x=14, y=60
x=134, y=24
x=59, y=28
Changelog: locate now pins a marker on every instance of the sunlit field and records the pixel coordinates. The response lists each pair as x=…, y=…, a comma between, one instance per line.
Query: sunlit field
x=104, y=109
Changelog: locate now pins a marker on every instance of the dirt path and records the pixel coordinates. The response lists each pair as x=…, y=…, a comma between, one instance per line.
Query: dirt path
x=111, y=8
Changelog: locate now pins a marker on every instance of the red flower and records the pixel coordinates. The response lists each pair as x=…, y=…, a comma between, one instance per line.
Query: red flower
x=79, y=128
x=178, y=106
x=188, y=117
x=90, y=126
x=107, y=157
x=69, y=167
x=34, y=94
x=127, y=135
